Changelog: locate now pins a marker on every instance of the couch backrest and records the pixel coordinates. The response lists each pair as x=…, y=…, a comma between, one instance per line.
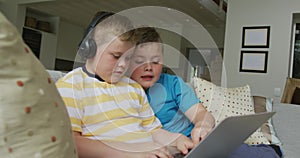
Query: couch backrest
x=55, y=75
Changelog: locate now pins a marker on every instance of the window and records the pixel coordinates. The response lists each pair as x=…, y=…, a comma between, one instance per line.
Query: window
x=296, y=53
x=294, y=70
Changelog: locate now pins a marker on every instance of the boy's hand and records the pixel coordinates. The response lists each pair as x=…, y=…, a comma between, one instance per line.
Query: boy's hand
x=162, y=152
x=159, y=153
x=199, y=132
x=183, y=144
x=141, y=150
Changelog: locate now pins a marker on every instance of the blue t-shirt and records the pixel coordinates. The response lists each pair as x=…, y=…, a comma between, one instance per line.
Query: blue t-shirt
x=170, y=98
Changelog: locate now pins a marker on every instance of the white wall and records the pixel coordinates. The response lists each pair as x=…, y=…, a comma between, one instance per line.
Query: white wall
x=62, y=43
x=14, y=13
x=278, y=15
x=48, y=50
x=69, y=37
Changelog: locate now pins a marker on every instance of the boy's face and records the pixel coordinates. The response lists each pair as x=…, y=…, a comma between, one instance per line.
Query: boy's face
x=146, y=64
x=113, y=61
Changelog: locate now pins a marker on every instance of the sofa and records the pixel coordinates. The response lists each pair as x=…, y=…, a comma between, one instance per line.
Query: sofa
x=35, y=96
x=285, y=123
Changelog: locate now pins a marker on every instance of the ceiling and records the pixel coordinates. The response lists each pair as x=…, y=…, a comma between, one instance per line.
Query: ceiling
x=80, y=12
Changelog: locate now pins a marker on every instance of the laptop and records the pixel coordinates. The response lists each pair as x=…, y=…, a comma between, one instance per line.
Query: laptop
x=227, y=136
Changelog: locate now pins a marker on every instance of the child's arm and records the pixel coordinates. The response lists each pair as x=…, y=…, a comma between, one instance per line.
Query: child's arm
x=180, y=141
x=152, y=124
x=92, y=148
x=203, y=121
x=98, y=149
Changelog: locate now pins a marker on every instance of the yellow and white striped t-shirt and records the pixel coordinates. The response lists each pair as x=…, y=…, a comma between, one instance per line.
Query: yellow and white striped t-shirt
x=103, y=111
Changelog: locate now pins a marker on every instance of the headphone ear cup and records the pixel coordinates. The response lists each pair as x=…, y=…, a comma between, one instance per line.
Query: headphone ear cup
x=87, y=49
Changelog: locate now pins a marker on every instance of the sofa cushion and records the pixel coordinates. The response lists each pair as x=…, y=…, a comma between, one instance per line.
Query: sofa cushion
x=223, y=102
x=264, y=104
x=286, y=123
x=33, y=118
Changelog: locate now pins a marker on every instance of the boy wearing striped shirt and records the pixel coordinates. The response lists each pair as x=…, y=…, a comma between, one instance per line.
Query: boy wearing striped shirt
x=109, y=112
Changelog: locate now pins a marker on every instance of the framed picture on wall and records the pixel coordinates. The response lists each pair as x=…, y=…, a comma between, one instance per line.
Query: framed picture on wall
x=256, y=37
x=254, y=61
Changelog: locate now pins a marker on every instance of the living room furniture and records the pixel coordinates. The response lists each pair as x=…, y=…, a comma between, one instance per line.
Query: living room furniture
x=291, y=93
x=285, y=123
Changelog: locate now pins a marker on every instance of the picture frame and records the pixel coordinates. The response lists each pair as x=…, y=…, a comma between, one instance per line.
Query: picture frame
x=254, y=61
x=256, y=37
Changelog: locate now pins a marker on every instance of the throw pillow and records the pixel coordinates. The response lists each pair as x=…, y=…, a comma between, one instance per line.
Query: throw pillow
x=263, y=104
x=223, y=102
x=33, y=118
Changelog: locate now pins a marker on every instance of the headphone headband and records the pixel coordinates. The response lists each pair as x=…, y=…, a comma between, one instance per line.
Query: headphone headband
x=87, y=46
x=100, y=16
